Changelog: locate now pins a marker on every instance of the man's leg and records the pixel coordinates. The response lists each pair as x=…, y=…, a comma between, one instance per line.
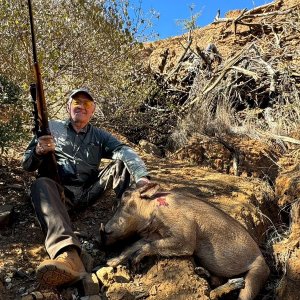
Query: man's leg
x=61, y=243
x=53, y=216
x=114, y=176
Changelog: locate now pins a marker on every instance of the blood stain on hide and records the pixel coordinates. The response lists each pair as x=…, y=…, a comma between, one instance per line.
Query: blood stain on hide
x=162, y=201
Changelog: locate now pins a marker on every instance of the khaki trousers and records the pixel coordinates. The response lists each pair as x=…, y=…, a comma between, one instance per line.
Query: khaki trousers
x=52, y=212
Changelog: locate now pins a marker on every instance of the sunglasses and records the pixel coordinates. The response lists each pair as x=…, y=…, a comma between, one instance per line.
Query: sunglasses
x=86, y=104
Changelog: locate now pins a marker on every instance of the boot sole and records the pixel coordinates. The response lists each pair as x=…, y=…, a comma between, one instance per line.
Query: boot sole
x=57, y=274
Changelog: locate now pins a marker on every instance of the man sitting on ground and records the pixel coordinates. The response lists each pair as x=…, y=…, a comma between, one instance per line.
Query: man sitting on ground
x=78, y=147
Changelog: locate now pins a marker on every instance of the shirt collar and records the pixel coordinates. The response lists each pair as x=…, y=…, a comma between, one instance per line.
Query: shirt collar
x=82, y=130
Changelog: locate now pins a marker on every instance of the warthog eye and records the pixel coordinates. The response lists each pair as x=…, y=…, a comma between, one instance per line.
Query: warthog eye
x=127, y=194
x=116, y=206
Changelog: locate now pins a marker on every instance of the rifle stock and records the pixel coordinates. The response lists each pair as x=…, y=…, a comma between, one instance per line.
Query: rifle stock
x=41, y=123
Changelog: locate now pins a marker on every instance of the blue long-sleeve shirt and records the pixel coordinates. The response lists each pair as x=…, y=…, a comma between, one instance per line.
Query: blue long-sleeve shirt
x=83, y=152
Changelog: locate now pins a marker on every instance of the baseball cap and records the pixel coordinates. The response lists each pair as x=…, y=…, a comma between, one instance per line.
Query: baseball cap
x=81, y=90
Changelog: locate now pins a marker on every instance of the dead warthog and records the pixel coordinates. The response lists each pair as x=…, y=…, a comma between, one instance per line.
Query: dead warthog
x=171, y=224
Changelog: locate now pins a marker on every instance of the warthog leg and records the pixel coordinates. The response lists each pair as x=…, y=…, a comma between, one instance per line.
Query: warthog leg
x=164, y=247
x=113, y=262
x=255, y=279
x=230, y=285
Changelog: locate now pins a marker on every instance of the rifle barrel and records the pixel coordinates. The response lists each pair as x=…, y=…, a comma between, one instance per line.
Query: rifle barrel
x=40, y=114
x=32, y=31
x=40, y=97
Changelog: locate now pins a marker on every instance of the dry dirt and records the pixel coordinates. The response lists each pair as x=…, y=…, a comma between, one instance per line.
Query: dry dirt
x=248, y=199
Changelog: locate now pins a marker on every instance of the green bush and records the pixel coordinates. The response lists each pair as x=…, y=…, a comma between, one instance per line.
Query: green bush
x=11, y=129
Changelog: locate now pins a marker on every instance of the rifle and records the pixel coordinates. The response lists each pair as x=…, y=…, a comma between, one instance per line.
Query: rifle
x=40, y=114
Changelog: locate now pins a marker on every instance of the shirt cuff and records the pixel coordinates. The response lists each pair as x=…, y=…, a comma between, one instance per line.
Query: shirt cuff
x=143, y=181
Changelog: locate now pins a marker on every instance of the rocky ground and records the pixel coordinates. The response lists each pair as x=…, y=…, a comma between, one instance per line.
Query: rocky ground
x=250, y=200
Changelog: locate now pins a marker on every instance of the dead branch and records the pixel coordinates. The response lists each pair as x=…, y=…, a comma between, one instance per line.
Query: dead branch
x=174, y=71
x=215, y=80
x=269, y=69
x=276, y=36
x=164, y=57
x=271, y=13
x=217, y=19
x=202, y=56
x=272, y=75
x=248, y=15
x=246, y=72
x=236, y=20
x=262, y=7
x=156, y=108
x=243, y=15
x=231, y=62
x=247, y=24
x=283, y=138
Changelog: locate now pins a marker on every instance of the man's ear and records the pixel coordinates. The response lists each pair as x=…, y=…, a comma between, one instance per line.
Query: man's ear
x=68, y=105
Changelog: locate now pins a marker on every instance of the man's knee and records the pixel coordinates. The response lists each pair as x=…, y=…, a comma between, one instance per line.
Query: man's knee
x=44, y=188
x=115, y=176
x=41, y=183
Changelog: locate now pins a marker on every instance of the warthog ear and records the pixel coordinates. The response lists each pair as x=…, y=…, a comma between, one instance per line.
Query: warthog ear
x=149, y=190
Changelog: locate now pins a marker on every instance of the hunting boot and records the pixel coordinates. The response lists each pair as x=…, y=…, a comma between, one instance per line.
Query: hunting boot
x=64, y=269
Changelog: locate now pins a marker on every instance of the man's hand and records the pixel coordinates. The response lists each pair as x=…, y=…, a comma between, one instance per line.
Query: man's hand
x=142, y=181
x=45, y=145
